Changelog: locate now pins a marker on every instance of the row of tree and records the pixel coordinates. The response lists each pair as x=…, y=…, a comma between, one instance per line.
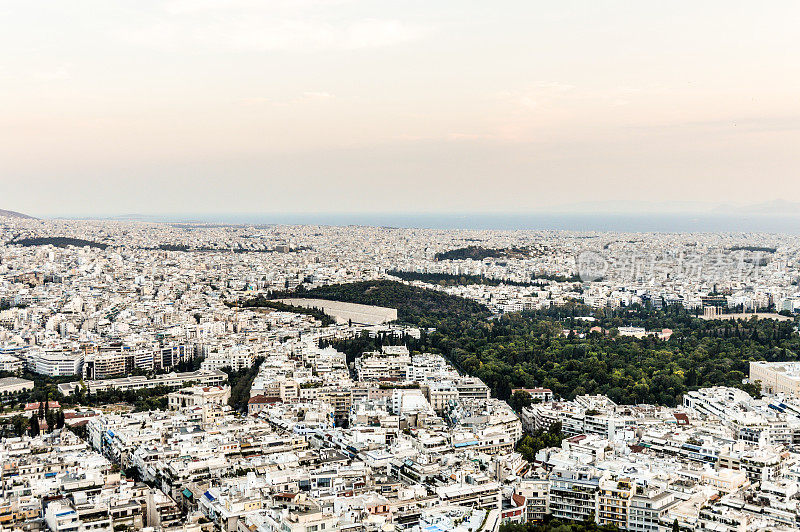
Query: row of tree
x=19, y=424
x=447, y=279
x=554, y=525
x=240, y=382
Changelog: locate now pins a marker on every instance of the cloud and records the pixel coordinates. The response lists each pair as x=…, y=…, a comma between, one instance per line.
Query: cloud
x=528, y=102
x=308, y=96
x=59, y=73
x=455, y=137
x=259, y=32
x=555, y=94
x=316, y=96
x=475, y=136
x=182, y=7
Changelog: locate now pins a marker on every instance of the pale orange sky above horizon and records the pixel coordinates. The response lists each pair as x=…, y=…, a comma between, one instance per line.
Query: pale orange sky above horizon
x=336, y=105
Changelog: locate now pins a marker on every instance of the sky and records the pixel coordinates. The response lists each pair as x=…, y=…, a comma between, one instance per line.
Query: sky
x=226, y=106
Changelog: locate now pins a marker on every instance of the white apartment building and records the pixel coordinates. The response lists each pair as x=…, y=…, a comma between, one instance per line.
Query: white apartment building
x=484, y=495
x=59, y=517
x=199, y=396
x=573, y=494
x=10, y=363
x=237, y=357
x=108, y=364
x=472, y=388
x=55, y=363
x=647, y=509
x=441, y=394
x=170, y=380
x=208, y=401
x=536, y=493
x=382, y=366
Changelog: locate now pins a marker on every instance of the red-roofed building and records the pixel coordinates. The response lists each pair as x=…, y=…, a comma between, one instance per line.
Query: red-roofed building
x=258, y=403
x=513, y=509
x=77, y=418
x=51, y=405
x=681, y=418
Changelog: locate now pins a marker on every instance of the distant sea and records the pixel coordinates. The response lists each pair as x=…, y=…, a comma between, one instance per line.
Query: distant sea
x=636, y=223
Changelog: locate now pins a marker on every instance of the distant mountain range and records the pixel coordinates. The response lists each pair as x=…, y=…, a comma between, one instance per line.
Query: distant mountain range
x=14, y=214
x=136, y=218
x=636, y=207
x=776, y=207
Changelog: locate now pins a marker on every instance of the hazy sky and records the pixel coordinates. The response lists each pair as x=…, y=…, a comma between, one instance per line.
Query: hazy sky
x=325, y=105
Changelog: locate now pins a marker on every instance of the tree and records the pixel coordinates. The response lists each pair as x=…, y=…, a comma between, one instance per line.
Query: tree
x=524, y=349
x=19, y=423
x=691, y=377
x=530, y=444
x=33, y=423
x=240, y=383
x=519, y=400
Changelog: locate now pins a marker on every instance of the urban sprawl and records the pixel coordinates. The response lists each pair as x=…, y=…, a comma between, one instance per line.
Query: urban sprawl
x=194, y=377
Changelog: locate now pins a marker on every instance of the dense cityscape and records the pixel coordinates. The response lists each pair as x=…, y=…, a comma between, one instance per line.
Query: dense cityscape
x=191, y=376
x=381, y=266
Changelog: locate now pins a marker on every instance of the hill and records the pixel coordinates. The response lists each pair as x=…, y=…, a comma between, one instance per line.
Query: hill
x=14, y=214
